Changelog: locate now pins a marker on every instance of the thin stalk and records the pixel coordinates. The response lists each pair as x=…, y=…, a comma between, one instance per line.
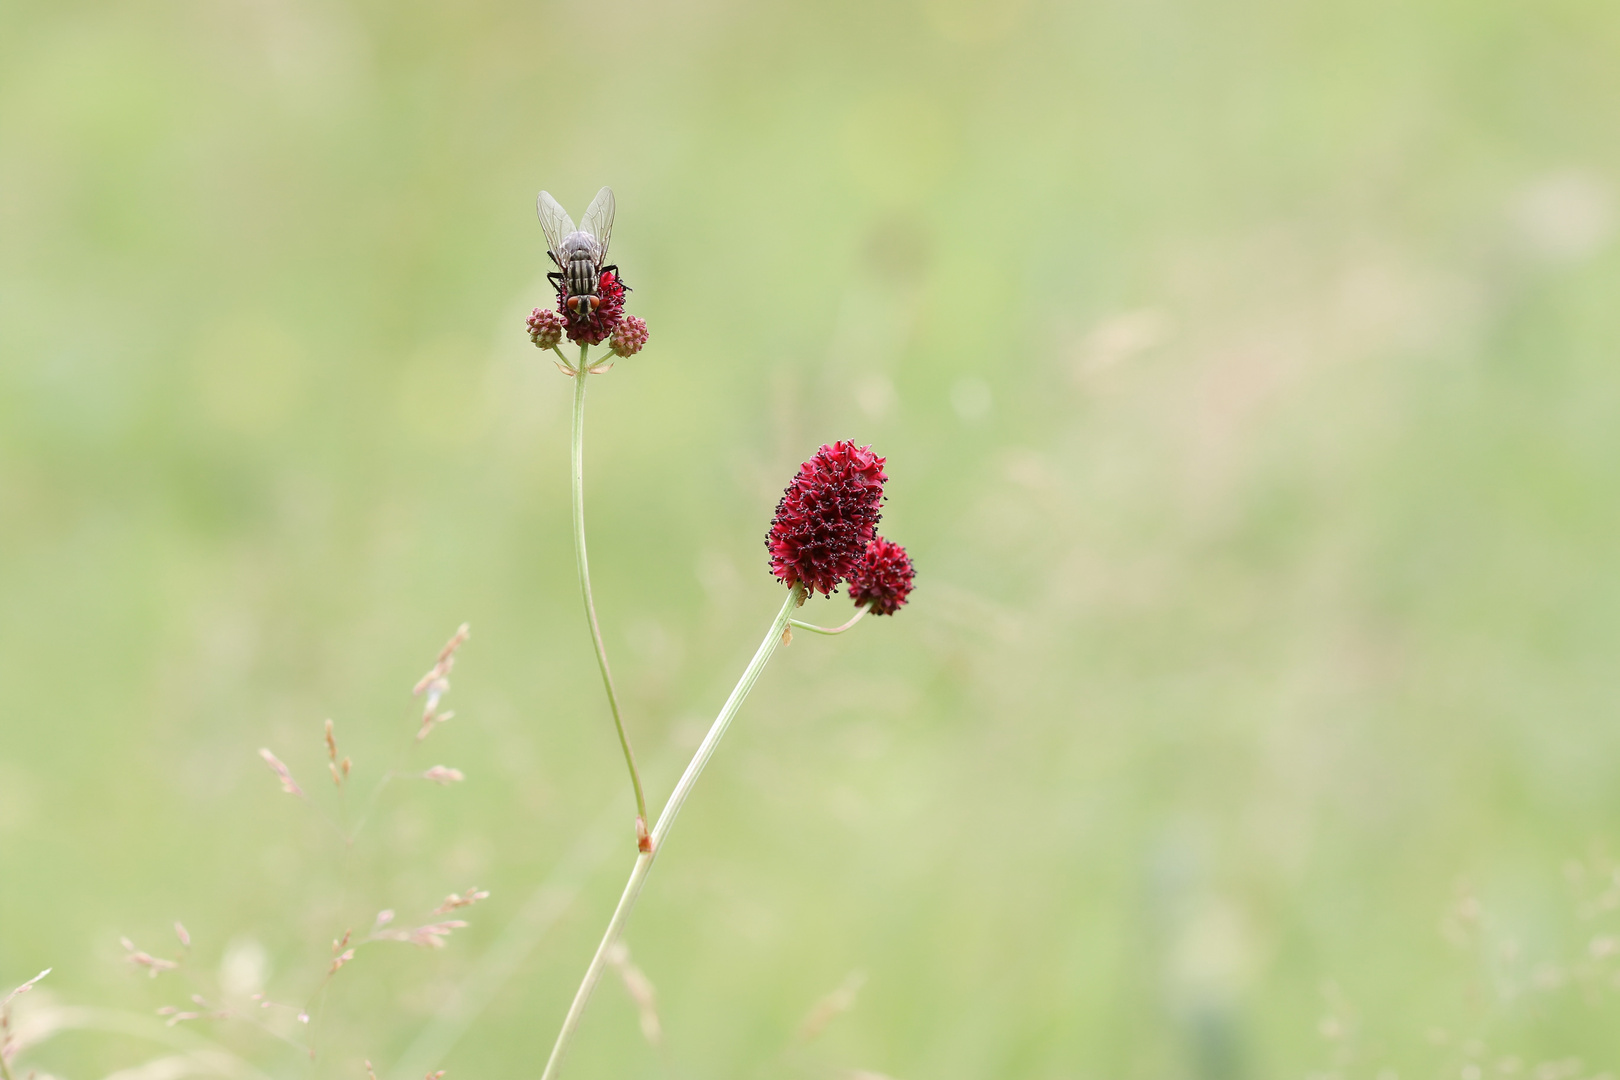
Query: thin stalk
x=666, y=821
x=814, y=629
x=580, y=375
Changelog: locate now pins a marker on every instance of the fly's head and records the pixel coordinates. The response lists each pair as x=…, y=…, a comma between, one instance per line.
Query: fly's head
x=591, y=318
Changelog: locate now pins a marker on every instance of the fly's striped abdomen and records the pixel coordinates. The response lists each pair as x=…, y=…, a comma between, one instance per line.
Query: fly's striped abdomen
x=581, y=275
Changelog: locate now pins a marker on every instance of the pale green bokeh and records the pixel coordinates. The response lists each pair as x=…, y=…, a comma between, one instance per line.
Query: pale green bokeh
x=1247, y=375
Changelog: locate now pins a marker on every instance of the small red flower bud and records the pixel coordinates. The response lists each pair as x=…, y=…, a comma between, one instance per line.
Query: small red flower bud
x=629, y=336
x=545, y=328
x=827, y=517
x=882, y=578
x=592, y=325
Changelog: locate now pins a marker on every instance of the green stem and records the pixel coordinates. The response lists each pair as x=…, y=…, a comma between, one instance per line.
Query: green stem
x=860, y=613
x=583, y=564
x=666, y=821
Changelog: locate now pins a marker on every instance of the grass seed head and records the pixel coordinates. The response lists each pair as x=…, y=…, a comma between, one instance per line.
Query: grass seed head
x=460, y=900
x=288, y=784
x=443, y=775
x=152, y=964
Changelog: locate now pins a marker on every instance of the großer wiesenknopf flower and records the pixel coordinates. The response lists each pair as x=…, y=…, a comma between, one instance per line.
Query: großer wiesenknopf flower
x=827, y=517
x=882, y=579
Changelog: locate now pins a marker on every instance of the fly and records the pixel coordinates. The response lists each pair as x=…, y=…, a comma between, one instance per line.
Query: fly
x=580, y=253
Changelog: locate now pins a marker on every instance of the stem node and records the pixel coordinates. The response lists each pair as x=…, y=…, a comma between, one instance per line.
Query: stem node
x=666, y=820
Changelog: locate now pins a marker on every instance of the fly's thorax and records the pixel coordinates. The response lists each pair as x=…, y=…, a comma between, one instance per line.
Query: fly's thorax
x=580, y=245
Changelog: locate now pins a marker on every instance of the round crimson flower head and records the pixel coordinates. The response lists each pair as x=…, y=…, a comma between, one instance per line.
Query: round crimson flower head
x=827, y=517
x=593, y=327
x=882, y=579
x=545, y=327
x=629, y=336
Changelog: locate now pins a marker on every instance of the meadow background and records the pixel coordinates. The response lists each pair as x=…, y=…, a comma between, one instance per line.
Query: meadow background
x=1247, y=374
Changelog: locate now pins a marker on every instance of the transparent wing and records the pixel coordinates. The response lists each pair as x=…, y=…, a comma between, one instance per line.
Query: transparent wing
x=555, y=221
x=598, y=221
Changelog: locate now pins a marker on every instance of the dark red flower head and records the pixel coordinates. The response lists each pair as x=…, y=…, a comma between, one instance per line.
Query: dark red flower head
x=593, y=327
x=882, y=579
x=826, y=517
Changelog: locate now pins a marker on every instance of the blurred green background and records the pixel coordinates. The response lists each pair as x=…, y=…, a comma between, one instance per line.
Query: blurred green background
x=1247, y=375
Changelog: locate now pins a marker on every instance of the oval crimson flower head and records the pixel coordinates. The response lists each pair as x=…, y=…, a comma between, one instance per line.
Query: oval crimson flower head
x=827, y=517
x=545, y=328
x=882, y=579
x=629, y=337
x=593, y=327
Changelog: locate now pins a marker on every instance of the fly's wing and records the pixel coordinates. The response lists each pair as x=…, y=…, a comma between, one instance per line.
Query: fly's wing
x=598, y=221
x=556, y=223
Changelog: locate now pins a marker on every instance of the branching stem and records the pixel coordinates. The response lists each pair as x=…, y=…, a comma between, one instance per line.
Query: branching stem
x=666, y=821
x=581, y=373
x=814, y=629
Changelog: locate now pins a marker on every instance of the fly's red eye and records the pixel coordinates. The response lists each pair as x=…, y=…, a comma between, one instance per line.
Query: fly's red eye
x=596, y=302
